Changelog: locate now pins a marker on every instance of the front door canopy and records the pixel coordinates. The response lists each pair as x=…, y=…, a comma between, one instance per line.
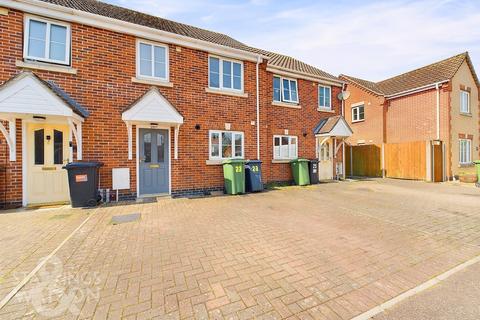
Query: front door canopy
x=335, y=126
x=152, y=109
x=26, y=95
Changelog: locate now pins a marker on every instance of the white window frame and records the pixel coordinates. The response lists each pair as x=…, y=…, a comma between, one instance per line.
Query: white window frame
x=467, y=149
x=462, y=92
x=320, y=106
x=49, y=22
x=289, y=143
x=220, y=157
x=282, y=96
x=167, y=60
x=220, y=71
x=357, y=106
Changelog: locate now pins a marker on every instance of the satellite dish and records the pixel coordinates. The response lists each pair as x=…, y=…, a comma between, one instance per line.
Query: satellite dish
x=344, y=95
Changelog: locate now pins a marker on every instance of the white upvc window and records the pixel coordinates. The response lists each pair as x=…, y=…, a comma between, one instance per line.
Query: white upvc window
x=358, y=112
x=46, y=40
x=285, y=147
x=325, y=97
x=152, y=60
x=225, y=145
x=465, y=151
x=224, y=74
x=285, y=90
x=464, y=101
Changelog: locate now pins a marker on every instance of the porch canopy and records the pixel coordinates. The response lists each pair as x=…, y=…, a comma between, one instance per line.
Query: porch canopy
x=333, y=127
x=28, y=97
x=155, y=110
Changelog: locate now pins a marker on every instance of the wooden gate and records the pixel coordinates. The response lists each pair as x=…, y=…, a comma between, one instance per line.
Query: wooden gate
x=406, y=160
x=363, y=161
x=437, y=161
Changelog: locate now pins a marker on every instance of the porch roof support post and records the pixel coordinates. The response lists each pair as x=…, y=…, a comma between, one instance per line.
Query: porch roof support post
x=10, y=137
x=344, y=169
x=130, y=138
x=175, y=141
x=77, y=133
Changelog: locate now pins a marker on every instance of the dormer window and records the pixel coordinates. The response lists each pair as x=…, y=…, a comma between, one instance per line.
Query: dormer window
x=46, y=41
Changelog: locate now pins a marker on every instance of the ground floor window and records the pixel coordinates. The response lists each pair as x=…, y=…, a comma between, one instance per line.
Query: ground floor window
x=226, y=145
x=465, y=151
x=285, y=147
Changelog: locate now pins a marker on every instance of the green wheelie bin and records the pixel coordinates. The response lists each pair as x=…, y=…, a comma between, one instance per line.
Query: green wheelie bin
x=234, y=174
x=300, y=172
x=477, y=165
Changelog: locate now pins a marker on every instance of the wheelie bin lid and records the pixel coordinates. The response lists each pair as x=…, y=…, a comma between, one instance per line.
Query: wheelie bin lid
x=91, y=164
x=252, y=162
x=299, y=160
x=233, y=161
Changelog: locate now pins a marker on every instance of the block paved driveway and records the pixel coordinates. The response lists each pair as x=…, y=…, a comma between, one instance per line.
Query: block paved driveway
x=330, y=251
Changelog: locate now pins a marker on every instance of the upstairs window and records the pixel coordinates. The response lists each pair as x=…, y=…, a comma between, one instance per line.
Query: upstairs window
x=285, y=147
x=152, y=61
x=225, y=74
x=285, y=90
x=226, y=145
x=47, y=41
x=324, y=97
x=358, y=113
x=464, y=101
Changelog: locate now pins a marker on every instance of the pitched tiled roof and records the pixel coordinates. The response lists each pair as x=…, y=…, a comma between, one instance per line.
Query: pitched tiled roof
x=424, y=76
x=143, y=19
x=286, y=62
x=135, y=17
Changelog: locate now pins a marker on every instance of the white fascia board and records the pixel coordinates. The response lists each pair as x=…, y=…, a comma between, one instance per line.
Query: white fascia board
x=415, y=90
x=71, y=15
x=302, y=75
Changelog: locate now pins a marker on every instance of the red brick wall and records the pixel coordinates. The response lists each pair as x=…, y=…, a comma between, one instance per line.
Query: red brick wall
x=297, y=121
x=371, y=130
x=105, y=62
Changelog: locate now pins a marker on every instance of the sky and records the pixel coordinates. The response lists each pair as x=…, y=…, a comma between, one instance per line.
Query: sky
x=368, y=39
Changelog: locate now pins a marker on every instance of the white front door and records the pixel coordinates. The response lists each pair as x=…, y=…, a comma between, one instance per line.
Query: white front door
x=47, y=151
x=325, y=165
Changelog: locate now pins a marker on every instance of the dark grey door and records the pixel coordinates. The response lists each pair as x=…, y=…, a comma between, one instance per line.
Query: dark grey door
x=153, y=161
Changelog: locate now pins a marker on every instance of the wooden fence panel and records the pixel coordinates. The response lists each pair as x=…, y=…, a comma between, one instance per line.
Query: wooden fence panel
x=406, y=160
x=366, y=161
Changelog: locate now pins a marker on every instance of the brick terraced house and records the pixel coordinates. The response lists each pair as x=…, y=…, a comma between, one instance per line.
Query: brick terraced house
x=438, y=102
x=162, y=103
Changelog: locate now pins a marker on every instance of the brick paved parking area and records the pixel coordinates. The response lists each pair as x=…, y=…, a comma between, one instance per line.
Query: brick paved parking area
x=331, y=251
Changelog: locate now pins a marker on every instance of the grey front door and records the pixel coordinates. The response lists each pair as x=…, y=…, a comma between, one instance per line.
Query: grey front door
x=153, y=161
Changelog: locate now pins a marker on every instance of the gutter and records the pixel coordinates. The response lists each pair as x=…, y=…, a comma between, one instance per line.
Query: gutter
x=415, y=90
x=73, y=15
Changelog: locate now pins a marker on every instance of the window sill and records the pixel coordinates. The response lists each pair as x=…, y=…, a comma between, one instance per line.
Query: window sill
x=466, y=165
x=286, y=105
x=45, y=66
x=214, y=162
x=227, y=93
x=353, y=122
x=325, y=110
x=152, y=82
x=282, y=160
x=465, y=114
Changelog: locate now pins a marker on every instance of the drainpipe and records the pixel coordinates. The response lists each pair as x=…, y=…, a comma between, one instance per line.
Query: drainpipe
x=259, y=59
x=437, y=86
